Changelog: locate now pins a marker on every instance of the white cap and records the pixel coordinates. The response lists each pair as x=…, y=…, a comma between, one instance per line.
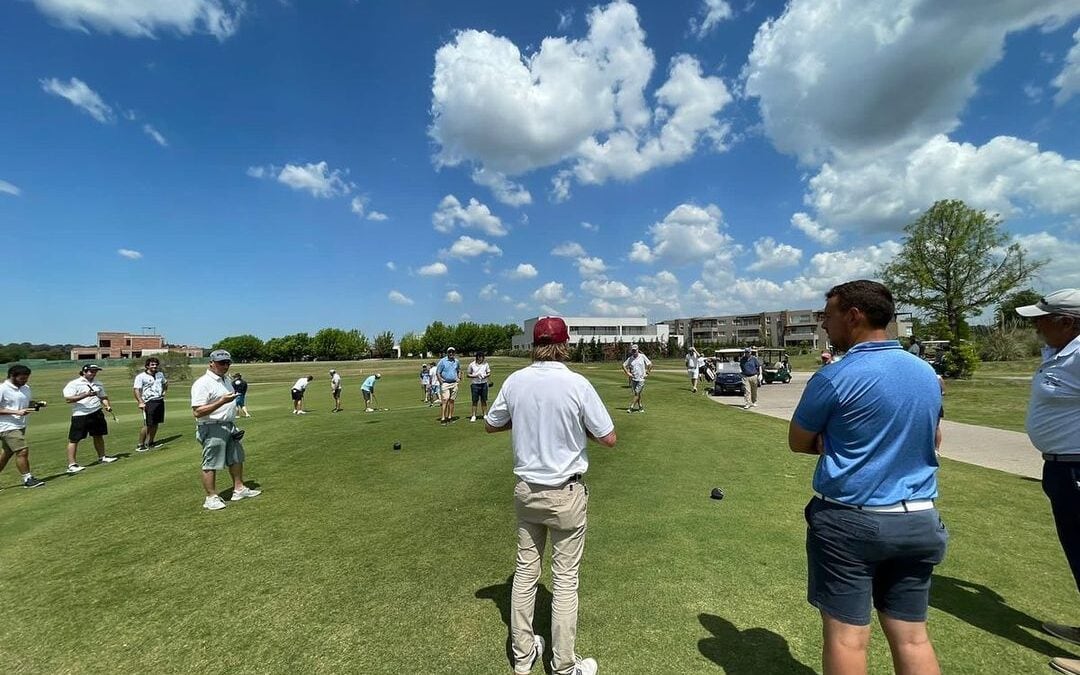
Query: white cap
x=1065, y=302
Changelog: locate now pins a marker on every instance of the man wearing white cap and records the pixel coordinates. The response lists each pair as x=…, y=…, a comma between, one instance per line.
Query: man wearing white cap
x=693, y=366
x=637, y=367
x=88, y=399
x=447, y=373
x=1053, y=424
x=213, y=401
x=335, y=389
x=550, y=412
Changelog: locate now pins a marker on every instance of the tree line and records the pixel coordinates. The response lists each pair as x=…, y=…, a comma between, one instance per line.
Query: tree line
x=337, y=344
x=18, y=351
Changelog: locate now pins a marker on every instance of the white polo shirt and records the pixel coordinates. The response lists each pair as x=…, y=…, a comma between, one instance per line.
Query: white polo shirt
x=150, y=386
x=335, y=382
x=551, y=407
x=637, y=365
x=13, y=398
x=1053, y=418
x=86, y=406
x=301, y=384
x=209, y=388
x=479, y=372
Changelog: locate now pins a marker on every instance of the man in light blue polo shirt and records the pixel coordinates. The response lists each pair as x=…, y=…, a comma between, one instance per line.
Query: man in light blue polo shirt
x=1053, y=424
x=873, y=534
x=448, y=372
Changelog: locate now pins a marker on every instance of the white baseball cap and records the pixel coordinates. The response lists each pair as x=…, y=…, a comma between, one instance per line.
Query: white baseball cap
x=1066, y=302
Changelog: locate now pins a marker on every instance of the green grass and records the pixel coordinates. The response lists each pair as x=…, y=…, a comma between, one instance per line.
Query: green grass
x=360, y=559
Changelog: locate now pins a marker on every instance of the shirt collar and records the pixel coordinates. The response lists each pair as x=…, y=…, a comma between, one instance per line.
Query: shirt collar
x=549, y=364
x=875, y=346
x=214, y=375
x=1072, y=347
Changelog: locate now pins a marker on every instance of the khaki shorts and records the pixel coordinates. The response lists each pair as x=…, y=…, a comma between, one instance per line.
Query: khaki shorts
x=13, y=441
x=220, y=449
x=449, y=391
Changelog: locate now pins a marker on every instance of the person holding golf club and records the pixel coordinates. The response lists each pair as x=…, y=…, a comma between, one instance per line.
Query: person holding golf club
x=15, y=406
x=213, y=402
x=637, y=367
x=298, y=390
x=240, y=386
x=149, y=389
x=550, y=412
x=367, y=389
x=873, y=532
x=335, y=389
x=447, y=373
x=693, y=367
x=479, y=373
x=89, y=402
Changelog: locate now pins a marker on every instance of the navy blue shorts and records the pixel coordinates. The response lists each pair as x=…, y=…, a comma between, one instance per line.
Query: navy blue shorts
x=855, y=558
x=479, y=392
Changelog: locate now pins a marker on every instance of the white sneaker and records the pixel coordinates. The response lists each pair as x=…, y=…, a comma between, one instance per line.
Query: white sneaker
x=473, y=418
x=746, y=406
x=246, y=492
x=301, y=412
x=107, y=459
x=585, y=666
x=74, y=468
x=213, y=503
x=753, y=405
x=142, y=448
x=538, y=655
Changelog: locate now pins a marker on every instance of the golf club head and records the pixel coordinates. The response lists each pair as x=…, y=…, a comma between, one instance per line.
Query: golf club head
x=717, y=494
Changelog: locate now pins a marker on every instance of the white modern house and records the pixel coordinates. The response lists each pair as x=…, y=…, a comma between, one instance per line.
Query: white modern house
x=604, y=329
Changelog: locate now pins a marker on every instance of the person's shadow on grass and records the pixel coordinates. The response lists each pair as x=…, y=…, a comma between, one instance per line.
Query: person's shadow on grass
x=500, y=595
x=983, y=608
x=747, y=652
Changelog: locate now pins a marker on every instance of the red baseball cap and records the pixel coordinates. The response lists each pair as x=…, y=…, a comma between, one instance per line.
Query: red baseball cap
x=550, y=330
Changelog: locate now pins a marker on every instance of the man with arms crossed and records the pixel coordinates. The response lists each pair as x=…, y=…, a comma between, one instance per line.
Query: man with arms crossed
x=873, y=534
x=1053, y=424
x=15, y=405
x=149, y=388
x=550, y=412
x=335, y=389
x=213, y=402
x=479, y=373
x=447, y=373
x=88, y=399
x=637, y=367
x=298, y=390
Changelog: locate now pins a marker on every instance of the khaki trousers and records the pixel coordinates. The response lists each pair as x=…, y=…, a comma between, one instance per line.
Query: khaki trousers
x=561, y=512
x=749, y=388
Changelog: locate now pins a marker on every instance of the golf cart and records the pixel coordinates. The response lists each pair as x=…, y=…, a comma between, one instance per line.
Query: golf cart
x=934, y=351
x=775, y=365
x=728, y=373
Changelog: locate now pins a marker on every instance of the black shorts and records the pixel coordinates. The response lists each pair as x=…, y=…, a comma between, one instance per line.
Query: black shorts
x=336, y=393
x=297, y=395
x=154, y=412
x=87, y=425
x=479, y=392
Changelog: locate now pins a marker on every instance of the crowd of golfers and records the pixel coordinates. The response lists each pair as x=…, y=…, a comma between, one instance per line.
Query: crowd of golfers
x=873, y=531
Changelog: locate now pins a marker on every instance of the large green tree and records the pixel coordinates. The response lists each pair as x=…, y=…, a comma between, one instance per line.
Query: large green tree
x=383, y=346
x=412, y=344
x=1006, y=311
x=955, y=262
x=242, y=348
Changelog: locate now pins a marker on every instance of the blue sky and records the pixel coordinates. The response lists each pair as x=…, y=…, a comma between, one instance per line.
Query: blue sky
x=212, y=167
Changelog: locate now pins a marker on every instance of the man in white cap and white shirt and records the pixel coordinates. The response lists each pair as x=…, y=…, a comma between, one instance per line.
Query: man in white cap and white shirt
x=637, y=367
x=1053, y=424
x=88, y=399
x=213, y=402
x=335, y=389
x=693, y=367
x=550, y=412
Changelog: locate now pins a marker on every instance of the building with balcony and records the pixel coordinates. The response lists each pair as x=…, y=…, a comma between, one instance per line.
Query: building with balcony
x=119, y=345
x=603, y=329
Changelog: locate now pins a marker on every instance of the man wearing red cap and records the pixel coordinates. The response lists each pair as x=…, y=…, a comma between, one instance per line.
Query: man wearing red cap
x=550, y=411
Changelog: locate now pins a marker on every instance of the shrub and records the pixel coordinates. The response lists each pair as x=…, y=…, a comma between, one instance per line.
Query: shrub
x=1003, y=344
x=960, y=361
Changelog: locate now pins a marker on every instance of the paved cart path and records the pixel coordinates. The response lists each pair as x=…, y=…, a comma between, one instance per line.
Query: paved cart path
x=1009, y=451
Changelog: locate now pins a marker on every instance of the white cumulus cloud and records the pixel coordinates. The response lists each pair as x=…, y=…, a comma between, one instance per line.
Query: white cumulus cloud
x=489, y=292
x=399, y=298
x=129, y=253
x=1062, y=270
x=1067, y=81
x=505, y=190
x=451, y=213
x=569, y=249
x=80, y=95
x=391, y=265
x=552, y=293
x=318, y=179
x=591, y=267
x=687, y=234
x=522, y=271
x=774, y=255
x=435, y=269
x=467, y=247
x=8, y=188
x=146, y=18
x=453, y=296
x=808, y=226
x=580, y=102
x=711, y=14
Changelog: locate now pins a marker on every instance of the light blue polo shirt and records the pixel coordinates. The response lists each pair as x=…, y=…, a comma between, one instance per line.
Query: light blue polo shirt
x=1053, y=419
x=878, y=412
x=368, y=384
x=448, y=370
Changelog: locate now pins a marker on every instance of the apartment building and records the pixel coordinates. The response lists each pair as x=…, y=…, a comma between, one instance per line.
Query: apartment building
x=604, y=329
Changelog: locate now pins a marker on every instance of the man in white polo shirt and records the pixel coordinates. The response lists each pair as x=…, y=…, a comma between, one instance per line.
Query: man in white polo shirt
x=15, y=405
x=335, y=389
x=550, y=412
x=88, y=399
x=298, y=390
x=1053, y=424
x=213, y=401
x=149, y=389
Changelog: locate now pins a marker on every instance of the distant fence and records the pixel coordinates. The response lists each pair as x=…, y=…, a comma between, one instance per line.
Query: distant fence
x=42, y=364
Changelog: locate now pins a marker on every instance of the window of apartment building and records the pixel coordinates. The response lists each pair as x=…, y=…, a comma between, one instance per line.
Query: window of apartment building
x=105, y=343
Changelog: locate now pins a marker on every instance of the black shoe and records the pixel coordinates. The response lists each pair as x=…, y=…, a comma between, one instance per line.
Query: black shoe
x=32, y=482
